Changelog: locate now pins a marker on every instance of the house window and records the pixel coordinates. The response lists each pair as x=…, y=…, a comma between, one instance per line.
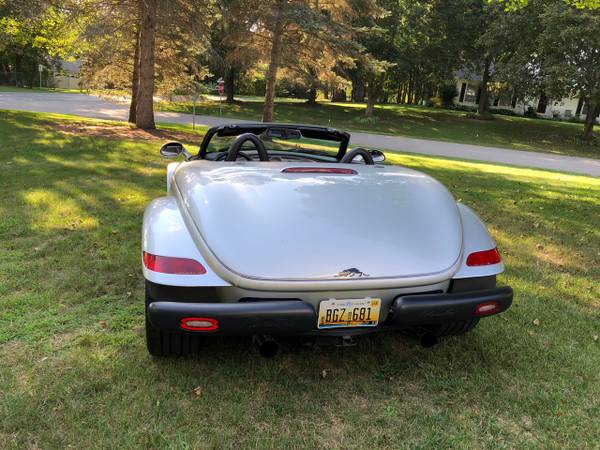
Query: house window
x=463, y=87
x=470, y=95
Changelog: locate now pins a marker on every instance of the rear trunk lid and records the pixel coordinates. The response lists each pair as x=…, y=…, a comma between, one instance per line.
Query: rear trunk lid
x=377, y=222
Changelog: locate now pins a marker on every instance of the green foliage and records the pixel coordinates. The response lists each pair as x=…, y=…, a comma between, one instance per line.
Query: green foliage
x=33, y=34
x=448, y=92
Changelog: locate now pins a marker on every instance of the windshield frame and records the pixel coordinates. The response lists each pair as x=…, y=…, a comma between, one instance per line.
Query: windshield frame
x=308, y=131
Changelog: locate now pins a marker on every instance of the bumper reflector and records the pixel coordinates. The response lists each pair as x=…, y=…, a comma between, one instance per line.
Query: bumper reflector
x=487, y=308
x=199, y=324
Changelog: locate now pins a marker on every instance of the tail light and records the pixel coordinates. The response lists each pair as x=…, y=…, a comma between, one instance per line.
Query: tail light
x=487, y=308
x=484, y=257
x=199, y=324
x=172, y=265
x=326, y=170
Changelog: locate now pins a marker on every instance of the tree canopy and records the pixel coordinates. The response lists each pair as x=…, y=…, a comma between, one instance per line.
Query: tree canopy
x=405, y=51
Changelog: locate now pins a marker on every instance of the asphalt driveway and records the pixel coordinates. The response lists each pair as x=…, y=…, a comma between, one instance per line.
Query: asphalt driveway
x=95, y=107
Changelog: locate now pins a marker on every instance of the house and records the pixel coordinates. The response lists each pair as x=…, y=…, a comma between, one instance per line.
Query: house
x=67, y=76
x=467, y=85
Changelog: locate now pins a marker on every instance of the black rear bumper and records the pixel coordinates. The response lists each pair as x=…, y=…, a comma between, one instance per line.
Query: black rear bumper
x=293, y=317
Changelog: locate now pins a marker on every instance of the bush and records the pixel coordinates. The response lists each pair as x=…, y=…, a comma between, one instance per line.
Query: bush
x=448, y=93
x=504, y=112
x=466, y=108
x=437, y=102
x=530, y=112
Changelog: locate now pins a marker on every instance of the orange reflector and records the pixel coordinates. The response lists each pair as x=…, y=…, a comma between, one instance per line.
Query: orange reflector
x=487, y=308
x=484, y=257
x=199, y=324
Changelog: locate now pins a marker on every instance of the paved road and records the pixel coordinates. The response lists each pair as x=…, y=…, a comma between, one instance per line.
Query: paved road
x=90, y=106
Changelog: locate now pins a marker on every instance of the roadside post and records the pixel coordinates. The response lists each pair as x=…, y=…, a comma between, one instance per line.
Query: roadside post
x=40, y=70
x=194, y=100
x=221, y=89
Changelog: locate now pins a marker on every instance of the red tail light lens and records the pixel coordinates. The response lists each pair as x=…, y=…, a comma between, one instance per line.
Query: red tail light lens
x=484, y=258
x=326, y=170
x=172, y=265
x=487, y=308
x=199, y=324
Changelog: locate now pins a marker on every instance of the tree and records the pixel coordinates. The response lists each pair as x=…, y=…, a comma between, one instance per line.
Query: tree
x=33, y=33
x=144, y=112
x=291, y=32
x=162, y=37
x=569, y=57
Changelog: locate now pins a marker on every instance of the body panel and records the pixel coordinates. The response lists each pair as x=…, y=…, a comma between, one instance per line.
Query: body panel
x=475, y=238
x=164, y=233
x=263, y=226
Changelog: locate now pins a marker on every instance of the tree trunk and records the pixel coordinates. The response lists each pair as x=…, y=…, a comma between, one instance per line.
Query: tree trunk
x=18, y=66
x=339, y=95
x=410, y=89
x=400, y=92
x=135, y=78
x=312, y=97
x=590, y=120
x=358, y=91
x=371, y=97
x=144, y=114
x=230, y=85
x=271, y=78
x=482, y=107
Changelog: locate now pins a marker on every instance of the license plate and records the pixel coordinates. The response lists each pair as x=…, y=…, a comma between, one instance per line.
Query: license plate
x=362, y=312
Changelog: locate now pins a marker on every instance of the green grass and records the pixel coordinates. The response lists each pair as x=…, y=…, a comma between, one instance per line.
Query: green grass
x=37, y=89
x=74, y=371
x=514, y=132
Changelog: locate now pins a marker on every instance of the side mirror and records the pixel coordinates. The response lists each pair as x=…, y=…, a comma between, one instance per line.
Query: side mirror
x=173, y=150
x=378, y=156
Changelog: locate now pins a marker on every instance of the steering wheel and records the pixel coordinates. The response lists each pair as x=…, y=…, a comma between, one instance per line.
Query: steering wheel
x=234, y=150
x=367, y=158
x=223, y=155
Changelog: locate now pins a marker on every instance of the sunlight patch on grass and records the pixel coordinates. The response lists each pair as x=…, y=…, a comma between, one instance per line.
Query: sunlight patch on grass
x=51, y=212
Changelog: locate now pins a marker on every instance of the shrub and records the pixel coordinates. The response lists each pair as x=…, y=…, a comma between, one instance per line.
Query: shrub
x=530, y=112
x=504, y=111
x=447, y=94
x=467, y=108
x=436, y=102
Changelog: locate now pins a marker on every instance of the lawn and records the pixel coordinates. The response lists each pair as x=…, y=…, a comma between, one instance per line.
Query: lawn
x=519, y=133
x=74, y=371
x=37, y=89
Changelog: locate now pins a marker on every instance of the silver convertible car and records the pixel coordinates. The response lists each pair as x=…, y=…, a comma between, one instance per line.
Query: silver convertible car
x=279, y=230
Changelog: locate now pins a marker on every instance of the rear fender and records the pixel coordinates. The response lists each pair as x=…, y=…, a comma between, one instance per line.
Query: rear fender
x=164, y=233
x=475, y=238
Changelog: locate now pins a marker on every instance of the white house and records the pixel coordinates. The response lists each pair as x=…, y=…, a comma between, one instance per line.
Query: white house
x=467, y=84
x=68, y=76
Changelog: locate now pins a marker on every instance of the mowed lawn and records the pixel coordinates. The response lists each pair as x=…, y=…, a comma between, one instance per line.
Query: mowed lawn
x=74, y=371
x=515, y=132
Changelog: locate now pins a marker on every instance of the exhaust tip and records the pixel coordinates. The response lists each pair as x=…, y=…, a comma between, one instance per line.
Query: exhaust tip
x=267, y=346
x=428, y=340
